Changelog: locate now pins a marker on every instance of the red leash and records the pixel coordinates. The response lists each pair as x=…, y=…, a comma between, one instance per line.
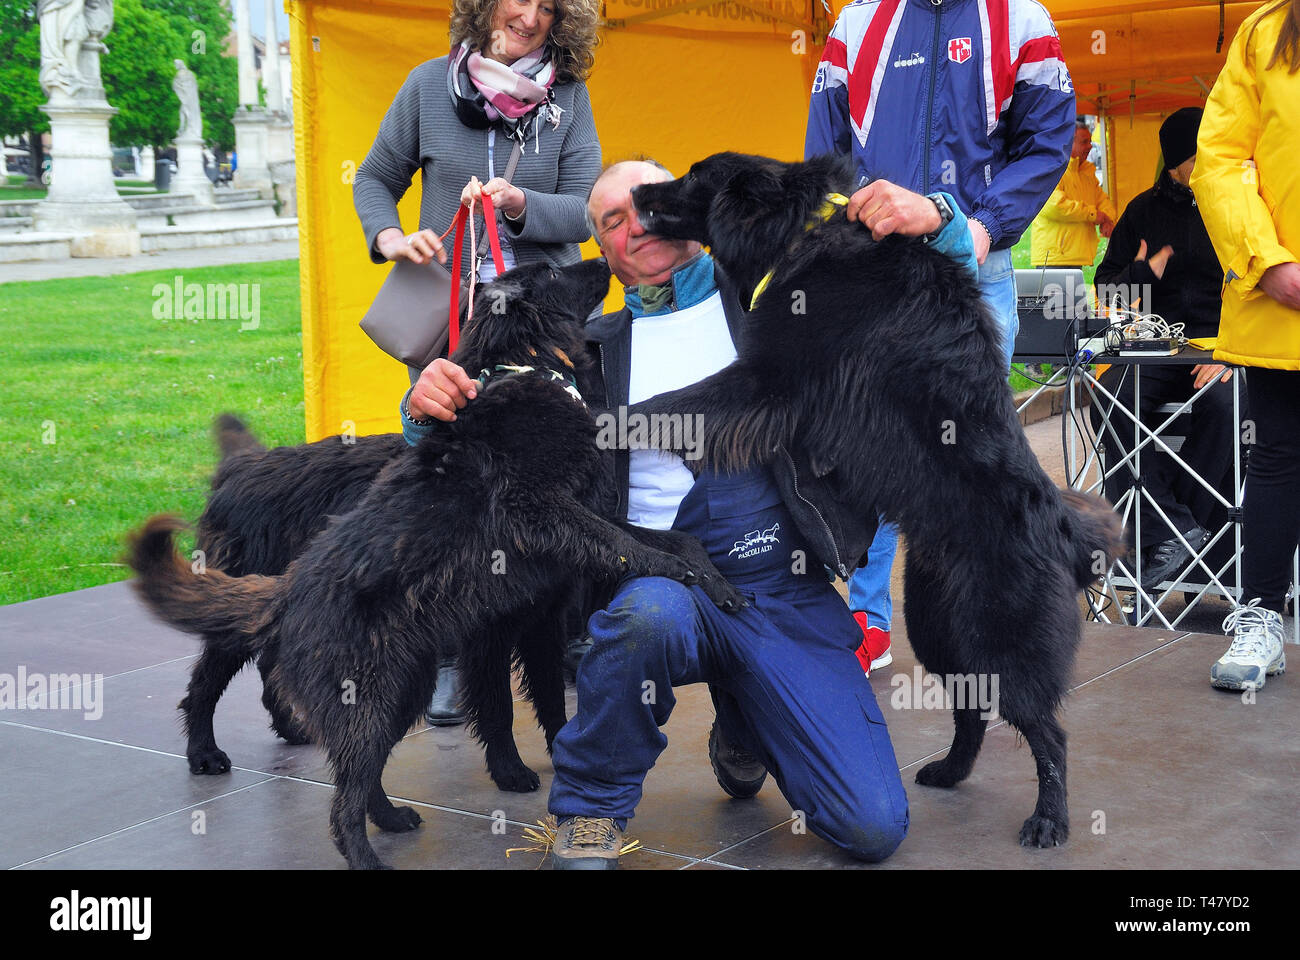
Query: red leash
x=494, y=240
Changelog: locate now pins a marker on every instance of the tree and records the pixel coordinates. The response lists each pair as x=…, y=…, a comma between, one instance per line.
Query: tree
x=147, y=36
x=20, y=59
x=205, y=24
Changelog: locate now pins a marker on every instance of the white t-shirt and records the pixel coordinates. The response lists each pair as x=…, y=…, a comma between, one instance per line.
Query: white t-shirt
x=670, y=351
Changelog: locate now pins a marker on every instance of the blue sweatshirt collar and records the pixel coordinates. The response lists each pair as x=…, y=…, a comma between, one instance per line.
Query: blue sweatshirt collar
x=692, y=282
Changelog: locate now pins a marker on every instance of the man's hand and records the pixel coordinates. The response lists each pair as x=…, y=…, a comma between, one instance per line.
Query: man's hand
x=1106, y=225
x=1282, y=283
x=980, y=237
x=506, y=197
x=443, y=388
x=419, y=247
x=884, y=208
x=1203, y=373
x=1158, y=262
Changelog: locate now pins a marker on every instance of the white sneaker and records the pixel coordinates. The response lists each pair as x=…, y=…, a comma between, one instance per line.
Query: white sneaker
x=1256, y=652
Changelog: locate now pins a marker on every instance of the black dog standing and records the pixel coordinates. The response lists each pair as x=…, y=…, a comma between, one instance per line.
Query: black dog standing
x=493, y=516
x=890, y=387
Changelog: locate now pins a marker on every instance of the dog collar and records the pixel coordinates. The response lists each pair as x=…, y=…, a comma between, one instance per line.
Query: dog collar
x=823, y=213
x=570, y=384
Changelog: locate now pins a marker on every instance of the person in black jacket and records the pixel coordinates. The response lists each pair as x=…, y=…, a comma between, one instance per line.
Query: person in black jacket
x=1161, y=256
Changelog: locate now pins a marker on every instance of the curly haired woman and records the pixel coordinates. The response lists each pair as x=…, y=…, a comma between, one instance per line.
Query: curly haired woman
x=515, y=75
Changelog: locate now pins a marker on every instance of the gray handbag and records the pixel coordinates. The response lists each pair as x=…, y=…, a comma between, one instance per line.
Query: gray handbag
x=410, y=317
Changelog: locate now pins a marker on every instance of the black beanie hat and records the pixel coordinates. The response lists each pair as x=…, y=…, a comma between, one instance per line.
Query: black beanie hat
x=1178, y=135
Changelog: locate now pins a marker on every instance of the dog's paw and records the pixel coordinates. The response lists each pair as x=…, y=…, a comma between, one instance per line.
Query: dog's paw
x=938, y=774
x=1044, y=832
x=722, y=593
x=208, y=761
x=516, y=780
x=397, y=819
x=292, y=733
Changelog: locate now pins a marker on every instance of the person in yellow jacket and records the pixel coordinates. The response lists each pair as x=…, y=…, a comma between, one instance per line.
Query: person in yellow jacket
x=1065, y=231
x=1247, y=183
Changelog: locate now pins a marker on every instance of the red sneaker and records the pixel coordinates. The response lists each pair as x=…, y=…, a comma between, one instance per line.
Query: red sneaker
x=873, y=653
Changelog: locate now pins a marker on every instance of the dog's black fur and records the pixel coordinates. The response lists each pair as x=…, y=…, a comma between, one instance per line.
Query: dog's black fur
x=362, y=615
x=893, y=383
x=264, y=508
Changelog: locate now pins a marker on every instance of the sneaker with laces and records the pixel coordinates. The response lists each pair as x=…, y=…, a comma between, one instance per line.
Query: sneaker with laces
x=740, y=774
x=873, y=653
x=1257, y=650
x=587, y=843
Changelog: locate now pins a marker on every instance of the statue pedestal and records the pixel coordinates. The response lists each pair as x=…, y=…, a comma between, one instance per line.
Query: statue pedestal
x=82, y=198
x=252, y=134
x=190, y=177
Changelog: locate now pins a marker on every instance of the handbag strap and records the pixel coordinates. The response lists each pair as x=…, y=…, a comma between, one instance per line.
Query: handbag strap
x=508, y=176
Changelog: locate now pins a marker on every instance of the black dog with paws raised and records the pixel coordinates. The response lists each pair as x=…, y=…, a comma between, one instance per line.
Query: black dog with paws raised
x=877, y=364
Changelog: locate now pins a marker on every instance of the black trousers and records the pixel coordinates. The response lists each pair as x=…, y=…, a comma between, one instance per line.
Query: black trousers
x=1271, y=512
x=1207, y=448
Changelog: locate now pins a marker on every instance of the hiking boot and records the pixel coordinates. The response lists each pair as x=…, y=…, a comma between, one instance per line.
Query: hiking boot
x=873, y=653
x=740, y=774
x=586, y=843
x=1256, y=652
x=1167, y=559
x=445, y=709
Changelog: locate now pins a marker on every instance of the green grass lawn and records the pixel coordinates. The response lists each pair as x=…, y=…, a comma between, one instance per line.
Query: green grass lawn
x=106, y=410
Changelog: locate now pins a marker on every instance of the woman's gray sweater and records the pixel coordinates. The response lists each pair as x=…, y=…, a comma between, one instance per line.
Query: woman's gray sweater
x=421, y=132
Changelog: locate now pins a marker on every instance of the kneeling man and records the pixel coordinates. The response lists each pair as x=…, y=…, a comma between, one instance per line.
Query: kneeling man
x=790, y=695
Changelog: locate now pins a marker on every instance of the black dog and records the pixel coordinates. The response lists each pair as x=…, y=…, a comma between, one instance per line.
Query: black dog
x=264, y=508
x=484, y=523
x=879, y=363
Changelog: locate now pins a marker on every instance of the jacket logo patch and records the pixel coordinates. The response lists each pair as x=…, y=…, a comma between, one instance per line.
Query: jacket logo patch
x=959, y=49
x=756, y=542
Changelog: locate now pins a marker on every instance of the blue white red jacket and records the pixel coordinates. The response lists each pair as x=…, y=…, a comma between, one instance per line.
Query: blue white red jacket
x=971, y=97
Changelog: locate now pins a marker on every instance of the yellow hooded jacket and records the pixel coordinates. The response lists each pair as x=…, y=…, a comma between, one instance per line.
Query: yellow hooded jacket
x=1065, y=230
x=1247, y=184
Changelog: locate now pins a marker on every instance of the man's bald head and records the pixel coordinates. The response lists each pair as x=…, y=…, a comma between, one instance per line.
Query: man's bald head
x=635, y=256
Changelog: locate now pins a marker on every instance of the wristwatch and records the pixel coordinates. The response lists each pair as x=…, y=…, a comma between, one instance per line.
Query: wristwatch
x=946, y=214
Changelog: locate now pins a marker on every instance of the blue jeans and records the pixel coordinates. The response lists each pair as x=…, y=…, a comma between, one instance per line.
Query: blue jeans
x=869, y=585
x=785, y=682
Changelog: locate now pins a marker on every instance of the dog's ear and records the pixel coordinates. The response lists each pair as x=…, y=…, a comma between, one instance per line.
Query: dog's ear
x=761, y=217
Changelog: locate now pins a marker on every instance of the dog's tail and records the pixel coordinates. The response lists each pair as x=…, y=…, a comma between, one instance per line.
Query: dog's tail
x=233, y=611
x=233, y=436
x=1098, y=535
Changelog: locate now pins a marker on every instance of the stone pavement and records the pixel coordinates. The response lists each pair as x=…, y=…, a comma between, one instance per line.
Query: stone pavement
x=178, y=260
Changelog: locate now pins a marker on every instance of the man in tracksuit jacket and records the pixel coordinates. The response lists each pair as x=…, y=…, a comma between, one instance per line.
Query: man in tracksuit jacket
x=971, y=97
x=781, y=670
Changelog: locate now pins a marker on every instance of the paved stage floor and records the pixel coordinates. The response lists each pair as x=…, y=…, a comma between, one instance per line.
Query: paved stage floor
x=1164, y=772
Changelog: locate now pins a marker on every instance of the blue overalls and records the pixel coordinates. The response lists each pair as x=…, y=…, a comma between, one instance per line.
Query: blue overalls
x=786, y=683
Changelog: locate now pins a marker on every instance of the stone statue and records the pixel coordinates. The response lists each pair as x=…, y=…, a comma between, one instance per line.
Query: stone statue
x=72, y=33
x=186, y=86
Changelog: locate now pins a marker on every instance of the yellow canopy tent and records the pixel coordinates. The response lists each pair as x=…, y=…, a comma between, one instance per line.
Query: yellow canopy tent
x=1134, y=62
x=677, y=79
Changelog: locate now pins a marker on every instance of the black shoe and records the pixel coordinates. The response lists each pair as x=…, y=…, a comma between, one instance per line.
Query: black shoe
x=445, y=709
x=573, y=654
x=1167, y=559
x=739, y=774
